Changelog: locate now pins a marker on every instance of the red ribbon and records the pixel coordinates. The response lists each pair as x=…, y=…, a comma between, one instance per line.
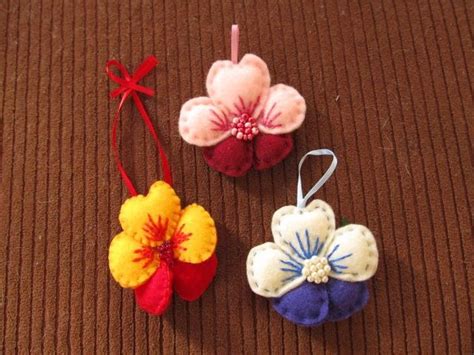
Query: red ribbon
x=129, y=87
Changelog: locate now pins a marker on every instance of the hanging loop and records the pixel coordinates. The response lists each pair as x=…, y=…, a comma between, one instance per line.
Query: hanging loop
x=234, y=44
x=302, y=200
x=129, y=88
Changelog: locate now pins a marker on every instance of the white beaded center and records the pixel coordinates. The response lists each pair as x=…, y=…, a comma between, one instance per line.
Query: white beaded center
x=316, y=269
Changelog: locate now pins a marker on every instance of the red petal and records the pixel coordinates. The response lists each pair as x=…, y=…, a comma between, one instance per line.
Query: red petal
x=232, y=156
x=154, y=296
x=191, y=280
x=271, y=149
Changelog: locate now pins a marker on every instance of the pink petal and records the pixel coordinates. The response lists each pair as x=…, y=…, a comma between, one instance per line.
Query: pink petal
x=239, y=87
x=202, y=123
x=232, y=156
x=284, y=110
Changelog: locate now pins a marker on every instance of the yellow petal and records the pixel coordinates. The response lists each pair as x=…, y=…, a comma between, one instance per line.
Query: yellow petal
x=151, y=219
x=196, y=237
x=130, y=262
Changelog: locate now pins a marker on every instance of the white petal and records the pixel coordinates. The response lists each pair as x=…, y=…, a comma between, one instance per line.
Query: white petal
x=302, y=232
x=352, y=253
x=270, y=271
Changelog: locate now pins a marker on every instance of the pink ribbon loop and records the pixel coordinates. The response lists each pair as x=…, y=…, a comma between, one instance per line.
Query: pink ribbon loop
x=234, y=44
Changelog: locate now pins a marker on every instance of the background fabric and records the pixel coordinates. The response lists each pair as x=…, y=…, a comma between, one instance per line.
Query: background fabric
x=388, y=85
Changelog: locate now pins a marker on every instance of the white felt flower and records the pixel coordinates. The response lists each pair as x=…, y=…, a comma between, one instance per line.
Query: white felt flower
x=308, y=248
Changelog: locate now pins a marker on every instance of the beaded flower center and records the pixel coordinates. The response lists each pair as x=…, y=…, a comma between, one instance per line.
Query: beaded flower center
x=156, y=230
x=244, y=127
x=316, y=269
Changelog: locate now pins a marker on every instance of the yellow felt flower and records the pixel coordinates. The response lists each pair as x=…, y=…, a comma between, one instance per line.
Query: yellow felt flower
x=157, y=235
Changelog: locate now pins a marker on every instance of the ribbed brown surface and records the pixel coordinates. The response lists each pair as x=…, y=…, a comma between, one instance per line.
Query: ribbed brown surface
x=388, y=87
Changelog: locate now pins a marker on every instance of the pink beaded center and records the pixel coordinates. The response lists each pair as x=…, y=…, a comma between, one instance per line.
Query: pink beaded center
x=244, y=127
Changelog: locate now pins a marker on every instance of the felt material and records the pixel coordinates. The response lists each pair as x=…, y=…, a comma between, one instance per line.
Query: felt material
x=203, y=123
x=284, y=110
x=232, y=156
x=317, y=218
x=306, y=305
x=191, y=239
x=388, y=85
x=127, y=266
x=312, y=305
x=354, y=247
x=305, y=238
x=228, y=83
x=270, y=149
x=271, y=272
x=236, y=91
x=190, y=281
x=345, y=298
x=195, y=237
x=142, y=216
x=154, y=296
x=235, y=157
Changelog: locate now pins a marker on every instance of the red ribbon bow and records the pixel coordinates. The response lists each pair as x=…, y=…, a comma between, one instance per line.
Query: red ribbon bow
x=129, y=87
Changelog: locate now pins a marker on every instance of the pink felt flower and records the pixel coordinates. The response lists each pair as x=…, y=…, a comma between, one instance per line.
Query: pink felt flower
x=244, y=122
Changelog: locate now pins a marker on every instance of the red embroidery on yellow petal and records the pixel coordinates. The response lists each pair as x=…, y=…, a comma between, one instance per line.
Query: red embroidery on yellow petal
x=146, y=254
x=156, y=230
x=180, y=237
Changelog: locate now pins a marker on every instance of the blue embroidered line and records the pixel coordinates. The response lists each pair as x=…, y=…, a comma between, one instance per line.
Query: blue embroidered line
x=288, y=255
x=289, y=263
x=289, y=279
x=305, y=253
x=296, y=271
x=320, y=248
x=341, y=258
x=296, y=251
x=296, y=267
x=337, y=268
x=332, y=252
x=333, y=263
x=316, y=245
x=308, y=242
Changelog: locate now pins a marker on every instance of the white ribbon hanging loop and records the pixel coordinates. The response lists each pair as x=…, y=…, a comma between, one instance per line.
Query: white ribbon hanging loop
x=300, y=200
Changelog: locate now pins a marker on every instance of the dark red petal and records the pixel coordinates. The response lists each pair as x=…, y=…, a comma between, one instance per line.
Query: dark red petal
x=271, y=149
x=232, y=156
x=191, y=280
x=154, y=296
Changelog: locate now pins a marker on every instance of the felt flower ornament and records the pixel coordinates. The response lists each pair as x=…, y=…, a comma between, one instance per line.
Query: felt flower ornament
x=313, y=272
x=244, y=121
x=163, y=247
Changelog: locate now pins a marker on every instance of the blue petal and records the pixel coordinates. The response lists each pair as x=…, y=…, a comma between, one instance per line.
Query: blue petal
x=306, y=305
x=345, y=298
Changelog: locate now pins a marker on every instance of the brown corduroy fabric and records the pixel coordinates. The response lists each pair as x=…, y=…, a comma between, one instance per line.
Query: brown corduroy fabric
x=388, y=86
